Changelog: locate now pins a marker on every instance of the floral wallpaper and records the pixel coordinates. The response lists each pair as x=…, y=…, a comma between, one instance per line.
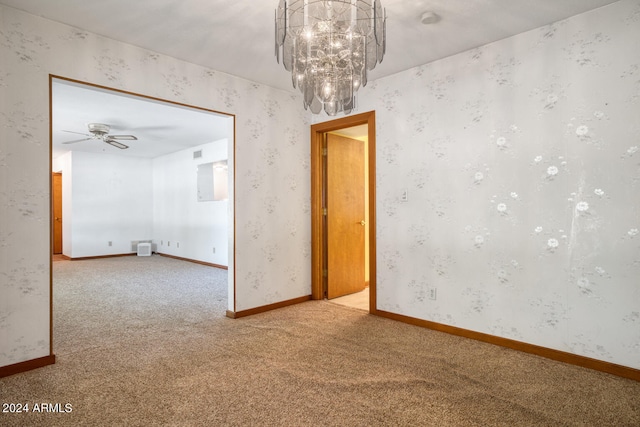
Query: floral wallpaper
x=522, y=164
x=272, y=210
x=521, y=160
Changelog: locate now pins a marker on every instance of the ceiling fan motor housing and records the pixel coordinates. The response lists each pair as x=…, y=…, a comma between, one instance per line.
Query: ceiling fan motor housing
x=99, y=128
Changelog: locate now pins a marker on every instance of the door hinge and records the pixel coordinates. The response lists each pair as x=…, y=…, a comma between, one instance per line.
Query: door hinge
x=324, y=151
x=324, y=211
x=325, y=272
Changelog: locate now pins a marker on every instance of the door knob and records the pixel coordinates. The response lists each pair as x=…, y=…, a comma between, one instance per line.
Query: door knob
x=363, y=223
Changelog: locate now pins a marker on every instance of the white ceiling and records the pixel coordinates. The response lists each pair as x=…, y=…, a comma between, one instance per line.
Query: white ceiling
x=236, y=37
x=161, y=127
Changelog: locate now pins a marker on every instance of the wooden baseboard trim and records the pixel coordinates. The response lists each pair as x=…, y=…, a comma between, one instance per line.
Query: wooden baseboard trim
x=208, y=264
x=549, y=353
x=84, y=258
x=28, y=365
x=262, y=309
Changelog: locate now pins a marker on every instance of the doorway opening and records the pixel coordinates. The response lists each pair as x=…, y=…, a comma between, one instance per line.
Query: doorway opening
x=343, y=221
x=114, y=188
x=56, y=200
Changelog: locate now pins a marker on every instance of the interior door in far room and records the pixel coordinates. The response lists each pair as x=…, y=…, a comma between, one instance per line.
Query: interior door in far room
x=56, y=194
x=345, y=219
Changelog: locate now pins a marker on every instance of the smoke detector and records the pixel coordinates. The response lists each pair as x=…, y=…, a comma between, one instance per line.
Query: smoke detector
x=429, y=17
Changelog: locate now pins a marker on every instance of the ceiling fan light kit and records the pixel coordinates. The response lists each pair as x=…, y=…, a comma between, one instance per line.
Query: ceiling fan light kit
x=329, y=47
x=101, y=131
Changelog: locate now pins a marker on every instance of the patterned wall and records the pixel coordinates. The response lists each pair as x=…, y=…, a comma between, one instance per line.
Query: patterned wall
x=522, y=163
x=521, y=160
x=272, y=176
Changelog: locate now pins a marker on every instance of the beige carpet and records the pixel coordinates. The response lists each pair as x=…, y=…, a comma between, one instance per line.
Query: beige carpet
x=144, y=342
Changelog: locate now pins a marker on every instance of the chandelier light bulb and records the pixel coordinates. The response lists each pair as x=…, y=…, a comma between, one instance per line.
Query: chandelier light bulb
x=327, y=90
x=329, y=47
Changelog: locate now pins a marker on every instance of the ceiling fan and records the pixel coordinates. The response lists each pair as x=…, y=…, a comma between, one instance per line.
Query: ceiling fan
x=101, y=131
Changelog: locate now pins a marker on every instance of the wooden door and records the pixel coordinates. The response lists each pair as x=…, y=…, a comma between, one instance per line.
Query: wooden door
x=56, y=194
x=345, y=220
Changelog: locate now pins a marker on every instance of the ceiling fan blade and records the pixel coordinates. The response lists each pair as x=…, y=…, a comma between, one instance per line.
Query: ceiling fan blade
x=77, y=140
x=123, y=137
x=116, y=144
x=79, y=133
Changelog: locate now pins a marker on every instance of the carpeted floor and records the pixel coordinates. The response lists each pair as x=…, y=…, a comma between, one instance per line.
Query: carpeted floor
x=144, y=342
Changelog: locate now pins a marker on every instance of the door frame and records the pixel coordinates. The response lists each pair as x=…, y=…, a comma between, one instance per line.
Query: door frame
x=318, y=245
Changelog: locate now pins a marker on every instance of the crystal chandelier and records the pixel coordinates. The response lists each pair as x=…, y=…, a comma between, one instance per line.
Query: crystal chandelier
x=329, y=46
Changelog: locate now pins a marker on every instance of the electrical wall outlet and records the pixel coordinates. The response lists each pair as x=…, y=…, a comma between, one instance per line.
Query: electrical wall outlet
x=168, y=243
x=214, y=249
x=110, y=243
x=177, y=244
x=404, y=197
x=433, y=293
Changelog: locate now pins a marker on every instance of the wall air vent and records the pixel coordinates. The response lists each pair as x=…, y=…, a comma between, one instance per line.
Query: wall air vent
x=197, y=154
